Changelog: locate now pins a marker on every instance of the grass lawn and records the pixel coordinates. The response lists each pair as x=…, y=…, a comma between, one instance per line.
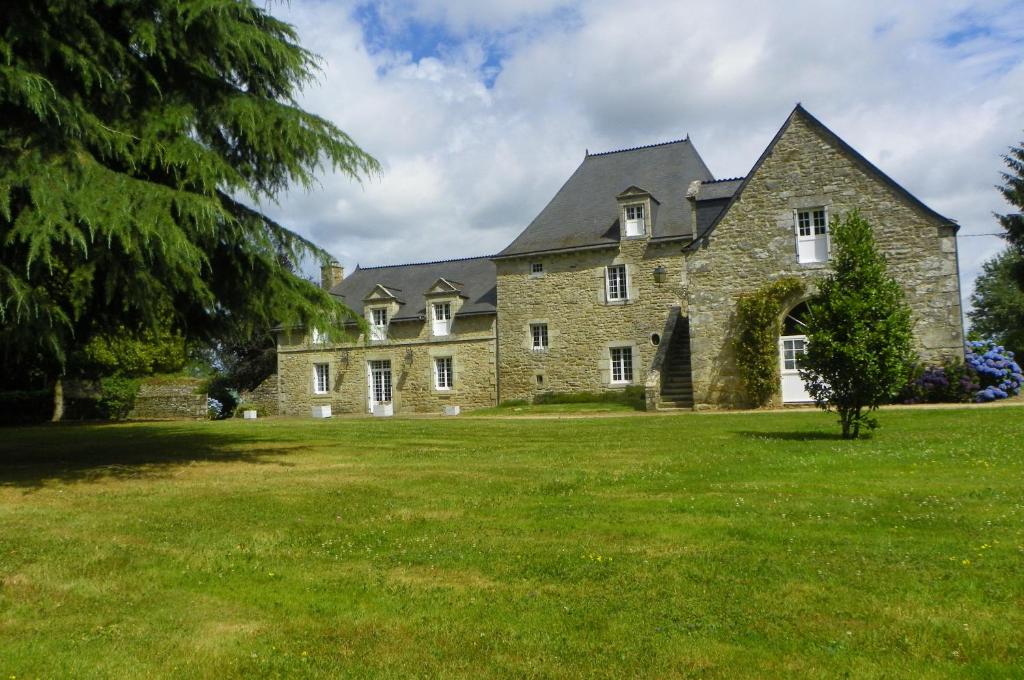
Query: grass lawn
x=718, y=546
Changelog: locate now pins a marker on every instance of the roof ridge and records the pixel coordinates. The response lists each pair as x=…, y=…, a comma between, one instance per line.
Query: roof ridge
x=643, y=146
x=724, y=179
x=419, y=264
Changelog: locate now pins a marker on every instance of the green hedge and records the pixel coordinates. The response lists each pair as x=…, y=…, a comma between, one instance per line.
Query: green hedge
x=631, y=396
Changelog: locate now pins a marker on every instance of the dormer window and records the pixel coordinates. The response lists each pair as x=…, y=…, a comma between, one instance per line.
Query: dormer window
x=378, y=324
x=442, y=318
x=635, y=220
x=812, y=235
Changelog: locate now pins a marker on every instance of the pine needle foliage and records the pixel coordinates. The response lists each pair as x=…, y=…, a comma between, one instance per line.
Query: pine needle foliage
x=137, y=143
x=1013, y=191
x=859, y=330
x=997, y=303
x=758, y=324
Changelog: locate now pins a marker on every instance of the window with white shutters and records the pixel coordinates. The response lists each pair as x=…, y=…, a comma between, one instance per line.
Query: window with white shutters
x=539, y=333
x=812, y=235
x=321, y=378
x=442, y=318
x=635, y=220
x=443, y=373
x=615, y=283
x=378, y=324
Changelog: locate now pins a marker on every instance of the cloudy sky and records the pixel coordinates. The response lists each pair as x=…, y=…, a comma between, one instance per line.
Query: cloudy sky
x=479, y=111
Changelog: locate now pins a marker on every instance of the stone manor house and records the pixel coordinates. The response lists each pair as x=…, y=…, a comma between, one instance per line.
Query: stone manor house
x=628, y=277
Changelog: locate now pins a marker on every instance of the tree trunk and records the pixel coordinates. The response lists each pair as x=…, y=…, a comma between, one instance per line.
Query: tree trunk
x=58, y=400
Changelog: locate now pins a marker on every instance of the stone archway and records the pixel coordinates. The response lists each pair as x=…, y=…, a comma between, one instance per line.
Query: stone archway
x=792, y=346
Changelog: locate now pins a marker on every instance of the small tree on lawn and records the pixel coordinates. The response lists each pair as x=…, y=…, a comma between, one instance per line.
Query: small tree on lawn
x=859, y=334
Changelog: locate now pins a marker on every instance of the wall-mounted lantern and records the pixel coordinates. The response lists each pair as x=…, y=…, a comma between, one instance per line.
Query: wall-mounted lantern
x=660, y=274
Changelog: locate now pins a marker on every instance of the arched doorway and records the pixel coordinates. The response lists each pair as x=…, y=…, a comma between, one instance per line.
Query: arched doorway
x=792, y=346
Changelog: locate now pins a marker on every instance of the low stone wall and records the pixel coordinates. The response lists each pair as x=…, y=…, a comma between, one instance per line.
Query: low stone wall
x=180, y=398
x=263, y=398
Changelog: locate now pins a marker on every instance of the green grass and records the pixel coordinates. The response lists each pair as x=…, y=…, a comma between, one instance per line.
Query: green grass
x=718, y=546
x=516, y=409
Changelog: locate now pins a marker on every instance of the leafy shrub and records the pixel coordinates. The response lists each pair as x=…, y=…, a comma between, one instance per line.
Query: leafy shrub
x=999, y=375
x=214, y=408
x=117, y=397
x=952, y=382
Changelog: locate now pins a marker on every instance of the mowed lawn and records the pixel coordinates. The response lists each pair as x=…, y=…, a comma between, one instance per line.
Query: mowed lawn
x=718, y=546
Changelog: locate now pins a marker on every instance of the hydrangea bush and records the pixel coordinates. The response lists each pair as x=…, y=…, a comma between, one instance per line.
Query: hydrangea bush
x=953, y=381
x=999, y=375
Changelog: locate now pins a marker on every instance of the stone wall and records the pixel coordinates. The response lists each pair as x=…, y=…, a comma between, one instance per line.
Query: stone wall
x=411, y=349
x=263, y=397
x=570, y=298
x=755, y=242
x=164, y=398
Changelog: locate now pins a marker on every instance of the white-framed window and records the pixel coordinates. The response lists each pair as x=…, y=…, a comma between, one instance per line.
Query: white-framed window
x=616, y=287
x=635, y=220
x=321, y=378
x=793, y=350
x=812, y=235
x=536, y=268
x=379, y=324
x=317, y=336
x=441, y=314
x=443, y=373
x=622, y=364
x=539, y=333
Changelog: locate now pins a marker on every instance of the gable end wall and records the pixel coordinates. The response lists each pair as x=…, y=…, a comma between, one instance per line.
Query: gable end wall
x=755, y=243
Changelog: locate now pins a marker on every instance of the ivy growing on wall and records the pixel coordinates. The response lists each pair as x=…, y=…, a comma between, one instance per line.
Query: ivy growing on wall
x=758, y=324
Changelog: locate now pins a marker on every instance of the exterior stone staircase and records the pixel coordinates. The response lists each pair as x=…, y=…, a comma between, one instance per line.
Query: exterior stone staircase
x=676, y=375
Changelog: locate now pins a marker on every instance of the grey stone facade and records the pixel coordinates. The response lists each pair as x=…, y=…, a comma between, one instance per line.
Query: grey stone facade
x=697, y=245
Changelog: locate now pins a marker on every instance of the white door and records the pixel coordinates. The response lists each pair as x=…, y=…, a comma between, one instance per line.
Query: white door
x=379, y=383
x=791, y=351
x=442, y=318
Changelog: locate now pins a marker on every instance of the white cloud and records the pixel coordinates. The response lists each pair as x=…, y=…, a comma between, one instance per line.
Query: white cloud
x=931, y=93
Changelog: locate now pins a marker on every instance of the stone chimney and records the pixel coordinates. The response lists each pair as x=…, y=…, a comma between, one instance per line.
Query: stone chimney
x=331, y=275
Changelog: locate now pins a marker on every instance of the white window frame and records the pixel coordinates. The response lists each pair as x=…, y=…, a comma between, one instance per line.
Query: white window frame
x=321, y=378
x=536, y=269
x=618, y=356
x=317, y=336
x=539, y=337
x=810, y=226
x=379, y=331
x=440, y=327
x=622, y=283
x=635, y=225
x=444, y=373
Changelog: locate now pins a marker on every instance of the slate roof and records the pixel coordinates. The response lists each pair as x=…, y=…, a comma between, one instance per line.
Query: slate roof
x=409, y=283
x=584, y=212
x=712, y=199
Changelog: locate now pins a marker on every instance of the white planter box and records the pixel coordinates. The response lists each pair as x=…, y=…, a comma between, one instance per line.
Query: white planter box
x=383, y=410
x=249, y=414
x=452, y=410
x=322, y=411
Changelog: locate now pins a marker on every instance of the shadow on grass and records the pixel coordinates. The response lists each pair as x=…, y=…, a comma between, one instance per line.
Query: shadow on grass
x=791, y=436
x=33, y=456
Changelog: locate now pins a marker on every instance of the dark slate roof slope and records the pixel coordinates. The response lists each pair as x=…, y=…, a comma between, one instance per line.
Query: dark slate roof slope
x=712, y=198
x=584, y=212
x=411, y=281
